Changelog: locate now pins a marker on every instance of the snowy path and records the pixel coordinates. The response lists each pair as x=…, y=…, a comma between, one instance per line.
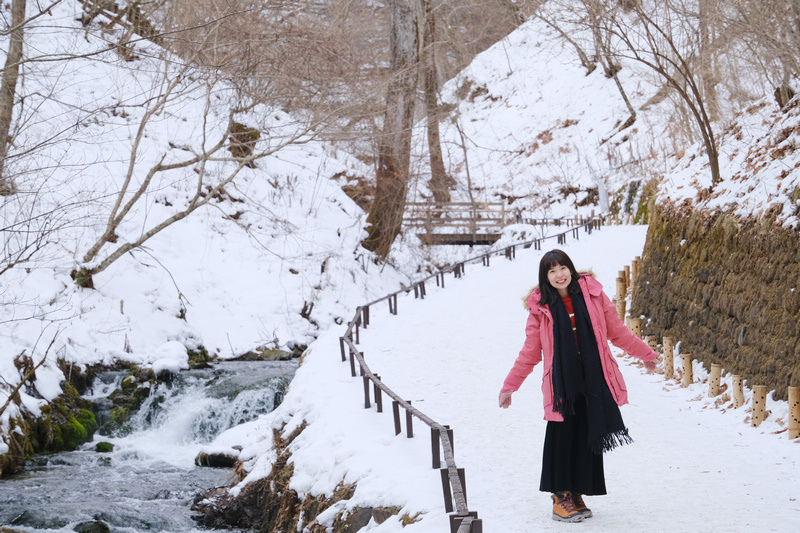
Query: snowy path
x=691, y=467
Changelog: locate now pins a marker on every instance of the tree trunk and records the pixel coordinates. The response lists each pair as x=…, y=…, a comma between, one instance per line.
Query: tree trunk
x=8, y=87
x=439, y=182
x=707, y=20
x=394, y=145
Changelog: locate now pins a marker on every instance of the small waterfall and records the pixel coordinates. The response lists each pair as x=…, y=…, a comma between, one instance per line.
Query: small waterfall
x=149, y=481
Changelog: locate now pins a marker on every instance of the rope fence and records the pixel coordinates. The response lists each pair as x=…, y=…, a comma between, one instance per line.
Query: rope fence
x=462, y=520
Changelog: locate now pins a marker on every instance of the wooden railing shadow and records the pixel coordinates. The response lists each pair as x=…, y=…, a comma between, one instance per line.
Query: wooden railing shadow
x=462, y=520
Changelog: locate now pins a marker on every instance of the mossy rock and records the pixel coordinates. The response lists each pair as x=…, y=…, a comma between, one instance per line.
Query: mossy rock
x=200, y=358
x=104, y=447
x=79, y=380
x=61, y=426
x=94, y=526
x=128, y=384
x=82, y=277
x=215, y=460
x=88, y=421
x=353, y=520
x=73, y=433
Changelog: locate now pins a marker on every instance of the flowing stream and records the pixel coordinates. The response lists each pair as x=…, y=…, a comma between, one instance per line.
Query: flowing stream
x=149, y=481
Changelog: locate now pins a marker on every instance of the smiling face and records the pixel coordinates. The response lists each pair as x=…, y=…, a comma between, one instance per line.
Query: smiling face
x=559, y=277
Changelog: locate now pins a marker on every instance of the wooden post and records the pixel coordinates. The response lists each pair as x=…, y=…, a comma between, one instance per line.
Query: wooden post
x=635, y=269
x=713, y=381
x=620, y=288
x=738, y=391
x=636, y=326
x=628, y=276
x=367, y=404
x=621, y=276
x=688, y=377
x=396, y=416
x=620, y=303
x=409, y=423
x=378, y=395
x=794, y=412
x=652, y=341
x=436, y=456
x=669, y=352
x=759, y=404
x=448, y=494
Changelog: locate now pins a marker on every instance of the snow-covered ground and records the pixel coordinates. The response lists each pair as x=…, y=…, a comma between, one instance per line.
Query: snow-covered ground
x=692, y=466
x=231, y=287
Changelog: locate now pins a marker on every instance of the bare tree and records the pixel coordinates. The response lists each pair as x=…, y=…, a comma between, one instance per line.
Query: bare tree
x=28, y=369
x=210, y=162
x=767, y=35
x=605, y=57
x=394, y=144
x=439, y=182
x=662, y=39
x=707, y=24
x=8, y=84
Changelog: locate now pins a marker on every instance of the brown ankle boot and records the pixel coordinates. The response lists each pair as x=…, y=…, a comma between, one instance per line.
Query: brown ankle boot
x=577, y=501
x=563, y=508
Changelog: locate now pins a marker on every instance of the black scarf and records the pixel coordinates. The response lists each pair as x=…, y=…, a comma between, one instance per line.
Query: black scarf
x=578, y=376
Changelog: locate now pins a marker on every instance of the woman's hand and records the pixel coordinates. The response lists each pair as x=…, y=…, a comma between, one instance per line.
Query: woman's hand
x=650, y=365
x=505, y=399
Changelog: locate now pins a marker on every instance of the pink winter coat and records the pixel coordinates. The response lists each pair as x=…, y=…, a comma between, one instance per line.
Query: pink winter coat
x=607, y=327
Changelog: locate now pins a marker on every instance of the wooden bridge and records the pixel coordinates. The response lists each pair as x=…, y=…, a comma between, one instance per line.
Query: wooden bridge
x=457, y=222
x=469, y=223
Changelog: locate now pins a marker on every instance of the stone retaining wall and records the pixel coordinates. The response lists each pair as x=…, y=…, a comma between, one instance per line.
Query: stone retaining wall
x=728, y=289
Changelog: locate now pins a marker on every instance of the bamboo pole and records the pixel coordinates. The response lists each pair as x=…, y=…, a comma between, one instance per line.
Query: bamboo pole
x=636, y=326
x=713, y=382
x=669, y=352
x=628, y=280
x=620, y=289
x=738, y=391
x=688, y=377
x=794, y=412
x=759, y=404
x=620, y=303
x=652, y=341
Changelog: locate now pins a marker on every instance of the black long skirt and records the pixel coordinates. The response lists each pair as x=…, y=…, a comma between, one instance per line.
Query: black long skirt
x=567, y=461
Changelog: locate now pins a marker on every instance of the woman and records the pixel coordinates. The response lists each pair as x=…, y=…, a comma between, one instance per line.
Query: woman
x=569, y=325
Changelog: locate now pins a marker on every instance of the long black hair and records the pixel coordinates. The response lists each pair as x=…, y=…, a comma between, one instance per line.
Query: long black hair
x=549, y=294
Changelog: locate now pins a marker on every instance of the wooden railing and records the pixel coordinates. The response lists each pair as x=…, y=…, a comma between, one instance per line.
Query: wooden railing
x=457, y=222
x=470, y=222
x=462, y=520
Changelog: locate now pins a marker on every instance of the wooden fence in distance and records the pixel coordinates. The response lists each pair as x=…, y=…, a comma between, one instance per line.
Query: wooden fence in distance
x=462, y=520
x=470, y=223
x=457, y=222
